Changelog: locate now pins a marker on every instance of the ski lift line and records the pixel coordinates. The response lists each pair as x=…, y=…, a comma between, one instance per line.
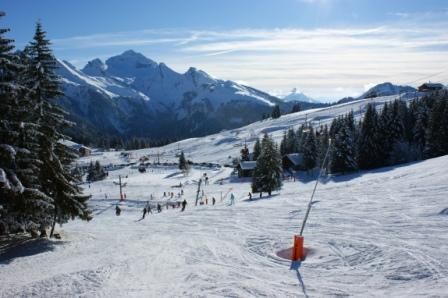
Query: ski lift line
x=427, y=77
x=314, y=189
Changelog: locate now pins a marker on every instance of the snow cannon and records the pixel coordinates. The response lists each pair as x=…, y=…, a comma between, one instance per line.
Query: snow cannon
x=298, y=253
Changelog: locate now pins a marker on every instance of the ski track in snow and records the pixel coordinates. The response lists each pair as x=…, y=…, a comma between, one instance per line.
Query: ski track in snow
x=378, y=234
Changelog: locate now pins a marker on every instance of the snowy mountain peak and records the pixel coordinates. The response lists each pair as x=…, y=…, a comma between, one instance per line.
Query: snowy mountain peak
x=130, y=64
x=96, y=67
x=386, y=89
x=295, y=95
x=198, y=76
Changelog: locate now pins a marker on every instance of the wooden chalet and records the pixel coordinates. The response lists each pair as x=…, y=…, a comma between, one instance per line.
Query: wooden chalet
x=292, y=161
x=246, y=168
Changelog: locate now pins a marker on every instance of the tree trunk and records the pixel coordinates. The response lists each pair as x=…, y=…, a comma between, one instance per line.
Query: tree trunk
x=54, y=221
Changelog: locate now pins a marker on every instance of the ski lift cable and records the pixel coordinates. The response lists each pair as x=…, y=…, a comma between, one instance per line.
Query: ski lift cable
x=427, y=77
x=310, y=203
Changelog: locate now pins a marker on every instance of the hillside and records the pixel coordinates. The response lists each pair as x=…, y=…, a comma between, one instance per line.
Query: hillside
x=223, y=146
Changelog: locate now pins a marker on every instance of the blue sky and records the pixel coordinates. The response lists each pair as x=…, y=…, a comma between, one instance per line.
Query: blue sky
x=325, y=48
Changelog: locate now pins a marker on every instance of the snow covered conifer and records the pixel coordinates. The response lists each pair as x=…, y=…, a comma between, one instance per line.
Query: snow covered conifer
x=257, y=149
x=55, y=176
x=268, y=171
x=276, y=112
x=183, y=164
x=342, y=154
x=436, y=133
x=309, y=150
x=22, y=205
x=369, y=154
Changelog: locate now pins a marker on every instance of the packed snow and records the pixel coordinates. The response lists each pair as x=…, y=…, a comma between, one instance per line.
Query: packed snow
x=380, y=233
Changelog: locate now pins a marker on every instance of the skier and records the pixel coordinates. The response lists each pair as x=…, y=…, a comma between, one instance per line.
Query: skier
x=117, y=210
x=232, y=199
x=148, y=208
x=250, y=196
x=213, y=200
x=159, y=208
x=184, y=204
x=144, y=212
x=182, y=192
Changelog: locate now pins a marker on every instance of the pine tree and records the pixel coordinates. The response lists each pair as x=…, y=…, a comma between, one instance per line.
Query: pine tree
x=291, y=142
x=369, y=154
x=283, y=145
x=296, y=108
x=183, y=165
x=257, y=149
x=22, y=205
x=309, y=150
x=56, y=179
x=276, y=112
x=267, y=174
x=95, y=172
x=342, y=154
x=322, y=145
x=435, y=134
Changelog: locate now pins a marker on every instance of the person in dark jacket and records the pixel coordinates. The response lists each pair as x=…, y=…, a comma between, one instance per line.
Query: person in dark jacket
x=184, y=204
x=144, y=213
x=159, y=208
x=117, y=211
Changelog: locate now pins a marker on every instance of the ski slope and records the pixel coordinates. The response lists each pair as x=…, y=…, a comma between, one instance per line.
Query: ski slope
x=370, y=234
x=222, y=147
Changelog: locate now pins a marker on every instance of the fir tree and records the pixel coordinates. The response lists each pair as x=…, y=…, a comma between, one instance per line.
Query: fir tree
x=291, y=142
x=369, y=154
x=309, y=150
x=22, y=205
x=322, y=144
x=183, y=165
x=296, y=108
x=276, y=112
x=342, y=154
x=96, y=172
x=257, y=149
x=267, y=174
x=56, y=179
x=283, y=145
x=435, y=134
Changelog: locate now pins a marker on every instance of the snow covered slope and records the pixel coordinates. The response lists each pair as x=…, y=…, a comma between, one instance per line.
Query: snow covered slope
x=223, y=146
x=386, y=89
x=370, y=234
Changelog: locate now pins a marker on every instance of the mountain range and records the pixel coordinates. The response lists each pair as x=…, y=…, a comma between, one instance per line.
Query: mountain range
x=132, y=95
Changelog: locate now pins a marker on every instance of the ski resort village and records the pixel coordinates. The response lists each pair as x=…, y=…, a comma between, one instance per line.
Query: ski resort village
x=125, y=176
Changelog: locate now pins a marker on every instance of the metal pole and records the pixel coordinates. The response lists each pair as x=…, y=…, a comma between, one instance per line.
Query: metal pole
x=199, y=189
x=314, y=190
x=119, y=183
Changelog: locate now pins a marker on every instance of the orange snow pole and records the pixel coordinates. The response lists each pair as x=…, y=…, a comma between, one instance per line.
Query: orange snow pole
x=298, y=252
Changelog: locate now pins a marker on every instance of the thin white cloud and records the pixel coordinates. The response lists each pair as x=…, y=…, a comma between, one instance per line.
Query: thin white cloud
x=329, y=62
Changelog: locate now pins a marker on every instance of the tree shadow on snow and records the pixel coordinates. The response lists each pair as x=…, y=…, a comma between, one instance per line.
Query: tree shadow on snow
x=344, y=177
x=24, y=246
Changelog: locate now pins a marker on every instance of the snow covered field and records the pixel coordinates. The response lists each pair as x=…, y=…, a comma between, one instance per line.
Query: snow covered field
x=378, y=233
